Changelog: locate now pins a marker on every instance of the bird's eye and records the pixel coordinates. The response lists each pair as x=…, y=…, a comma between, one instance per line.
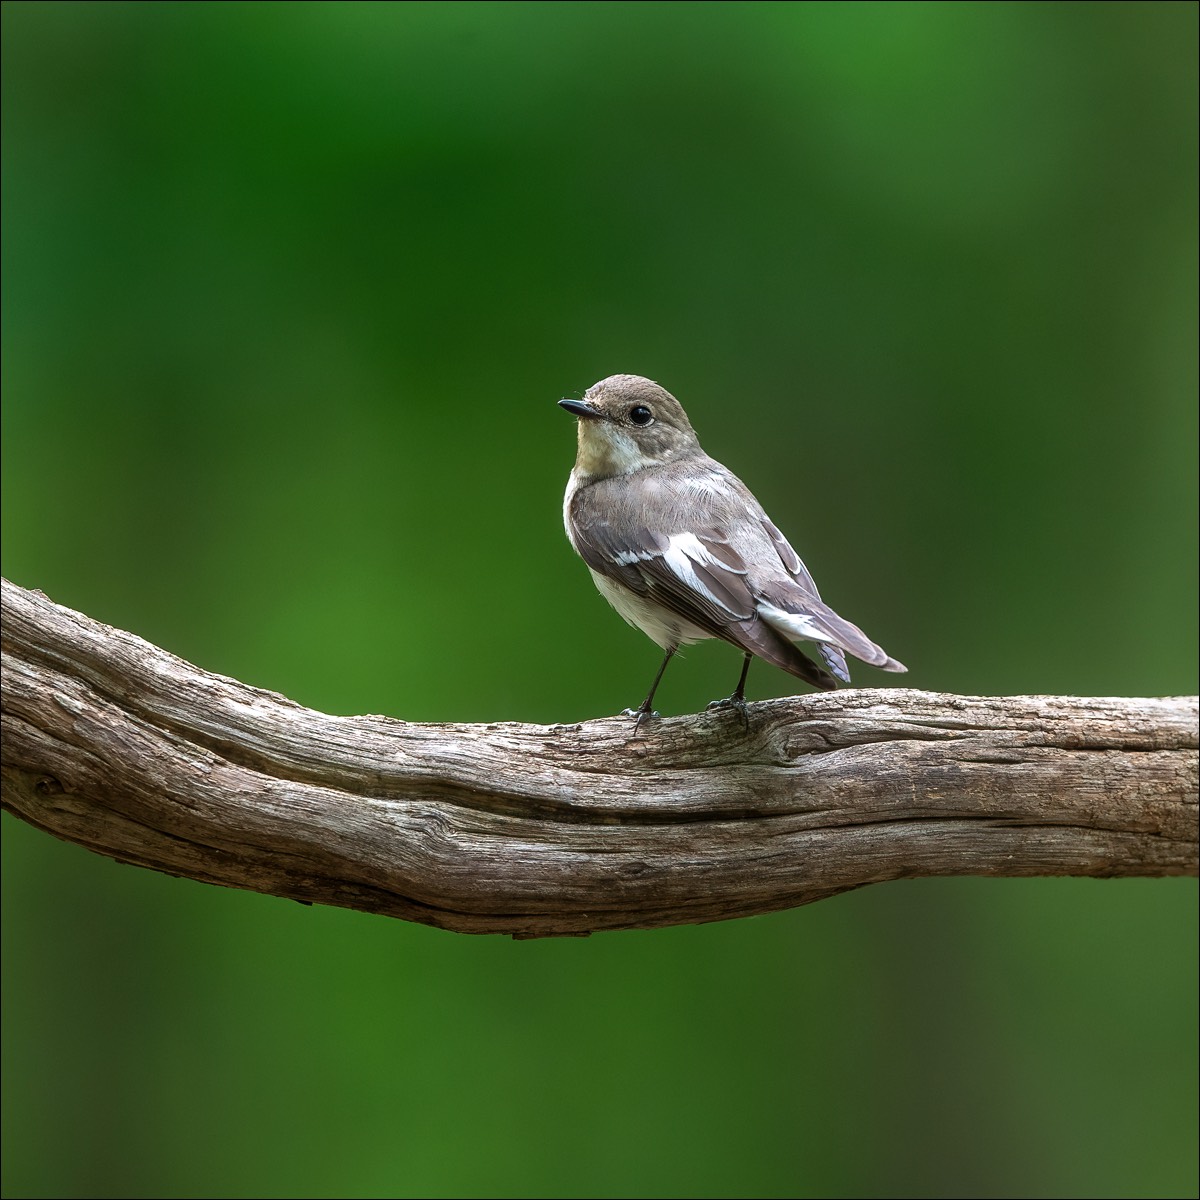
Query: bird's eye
x=641, y=415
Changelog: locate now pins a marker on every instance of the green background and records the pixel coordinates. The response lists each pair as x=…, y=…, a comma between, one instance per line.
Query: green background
x=290, y=292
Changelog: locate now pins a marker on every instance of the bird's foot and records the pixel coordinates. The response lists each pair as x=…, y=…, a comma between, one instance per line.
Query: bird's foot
x=643, y=715
x=738, y=704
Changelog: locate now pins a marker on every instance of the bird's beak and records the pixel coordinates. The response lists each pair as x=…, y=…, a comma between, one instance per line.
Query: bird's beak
x=581, y=408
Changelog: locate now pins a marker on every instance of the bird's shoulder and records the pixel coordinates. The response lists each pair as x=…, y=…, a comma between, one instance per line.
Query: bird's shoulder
x=672, y=497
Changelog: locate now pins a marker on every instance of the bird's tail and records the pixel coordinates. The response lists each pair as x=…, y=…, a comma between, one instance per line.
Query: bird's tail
x=817, y=622
x=835, y=660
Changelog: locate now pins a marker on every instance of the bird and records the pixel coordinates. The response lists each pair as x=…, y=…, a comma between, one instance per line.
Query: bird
x=683, y=551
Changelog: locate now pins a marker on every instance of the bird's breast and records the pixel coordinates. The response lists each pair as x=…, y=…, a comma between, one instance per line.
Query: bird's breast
x=572, y=487
x=659, y=624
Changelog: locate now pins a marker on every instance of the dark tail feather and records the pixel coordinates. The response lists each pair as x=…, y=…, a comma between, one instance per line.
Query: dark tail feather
x=835, y=660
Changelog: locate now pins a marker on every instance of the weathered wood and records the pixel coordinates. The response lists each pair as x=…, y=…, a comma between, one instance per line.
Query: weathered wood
x=115, y=744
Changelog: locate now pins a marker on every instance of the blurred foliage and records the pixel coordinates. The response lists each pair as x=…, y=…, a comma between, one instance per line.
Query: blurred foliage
x=290, y=292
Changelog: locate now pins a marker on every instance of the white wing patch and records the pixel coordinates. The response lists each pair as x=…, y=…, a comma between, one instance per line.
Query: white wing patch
x=682, y=552
x=685, y=549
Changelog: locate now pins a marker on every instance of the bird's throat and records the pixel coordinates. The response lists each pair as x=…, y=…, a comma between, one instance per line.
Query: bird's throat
x=605, y=451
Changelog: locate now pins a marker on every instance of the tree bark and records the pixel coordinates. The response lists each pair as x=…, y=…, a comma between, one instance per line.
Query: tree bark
x=532, y=830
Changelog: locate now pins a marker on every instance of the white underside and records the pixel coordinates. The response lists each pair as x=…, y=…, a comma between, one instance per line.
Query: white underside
x=657, y=623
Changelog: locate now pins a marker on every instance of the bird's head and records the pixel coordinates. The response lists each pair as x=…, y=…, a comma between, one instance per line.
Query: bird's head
x=627, y=423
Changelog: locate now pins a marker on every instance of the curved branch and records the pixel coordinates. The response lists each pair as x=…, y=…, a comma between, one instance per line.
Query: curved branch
x=532, y=830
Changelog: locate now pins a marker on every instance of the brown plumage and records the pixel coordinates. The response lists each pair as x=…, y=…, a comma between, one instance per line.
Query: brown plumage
x=682, y=549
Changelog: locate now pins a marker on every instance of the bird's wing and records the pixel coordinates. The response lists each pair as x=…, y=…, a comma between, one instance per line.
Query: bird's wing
x=788, y=558
x=670, y=555
x=694, y=573
x=696, y=541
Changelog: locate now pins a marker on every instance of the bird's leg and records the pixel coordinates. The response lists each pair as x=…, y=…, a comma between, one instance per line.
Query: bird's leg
x=738, y=700
x=647, y=707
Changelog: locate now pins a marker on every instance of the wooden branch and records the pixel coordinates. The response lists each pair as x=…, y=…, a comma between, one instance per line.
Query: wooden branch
x=532, y=830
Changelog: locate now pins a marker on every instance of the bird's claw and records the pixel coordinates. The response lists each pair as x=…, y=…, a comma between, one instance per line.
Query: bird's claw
x=643, y=715
x=738, y=704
